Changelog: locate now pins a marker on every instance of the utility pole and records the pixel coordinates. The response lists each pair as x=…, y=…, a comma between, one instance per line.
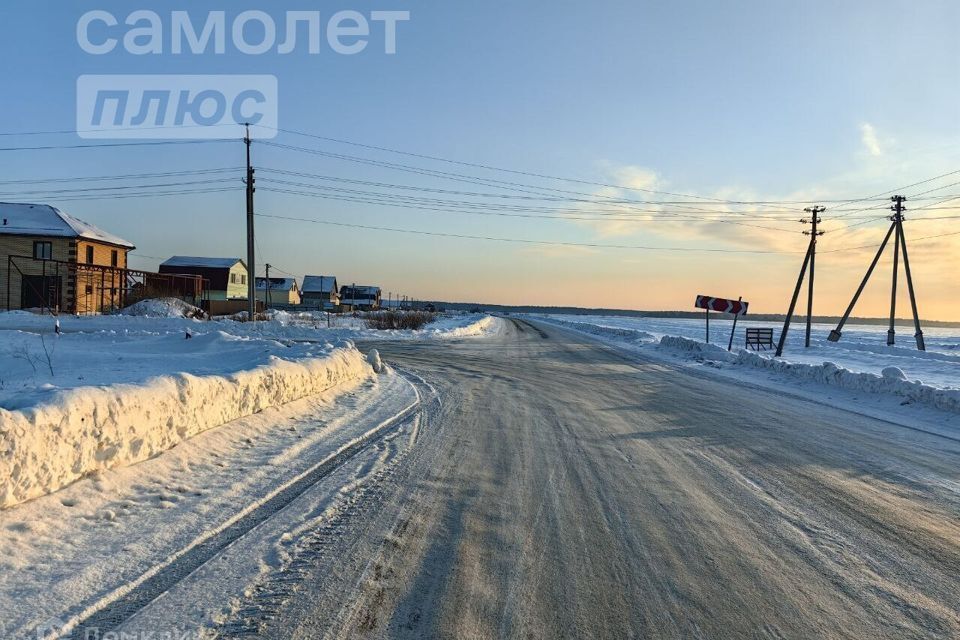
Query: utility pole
x=900, y=246
x=897, y=217
x=808, y=261
x=251, y=267
x=814, y=234
x=266, y=297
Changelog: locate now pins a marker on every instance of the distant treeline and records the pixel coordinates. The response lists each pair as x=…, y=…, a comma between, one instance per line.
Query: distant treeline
x=759, y=317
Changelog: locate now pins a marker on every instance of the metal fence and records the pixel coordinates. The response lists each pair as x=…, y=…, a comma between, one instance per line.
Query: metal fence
x=74, y=287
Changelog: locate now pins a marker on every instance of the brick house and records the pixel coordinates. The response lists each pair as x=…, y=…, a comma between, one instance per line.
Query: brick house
x=50, y=259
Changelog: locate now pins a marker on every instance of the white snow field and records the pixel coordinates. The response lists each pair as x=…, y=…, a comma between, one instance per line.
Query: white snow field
x=861, y=361
x=114, y=390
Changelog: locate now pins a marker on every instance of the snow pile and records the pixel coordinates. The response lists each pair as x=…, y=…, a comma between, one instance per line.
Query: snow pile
x=87, y=429
x=374, y=359
x=892, y=380
x=633, y=335
x=701, y=350
x=487, y=325
x=893, y=373
x=163, y=308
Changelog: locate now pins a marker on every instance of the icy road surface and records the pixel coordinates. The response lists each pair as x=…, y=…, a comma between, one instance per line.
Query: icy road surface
x=531, y=483
x=562, y=490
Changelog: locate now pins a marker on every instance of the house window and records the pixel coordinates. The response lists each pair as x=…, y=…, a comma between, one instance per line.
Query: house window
x=114, y=258
x=89, y=254
x=233, y=278
x=43, y=250
x=243, y=279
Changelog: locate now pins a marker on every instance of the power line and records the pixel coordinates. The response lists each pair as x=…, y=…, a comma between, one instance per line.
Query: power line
x=114, y=129
x=144, y=194
x=426, y=208
x=519, y=240
x=532, y=174
x=116, y=188
x=501, y=169
x=489, y=182
x=543, y=197
x=276, y=268
x=166, y=174
x=914, y=240
x=573, y=244
x=763, y=215
x=904, y=188
x=151, y=143
x=933, y=206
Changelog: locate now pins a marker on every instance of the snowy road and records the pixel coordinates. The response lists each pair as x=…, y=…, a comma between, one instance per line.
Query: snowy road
x=561, y=490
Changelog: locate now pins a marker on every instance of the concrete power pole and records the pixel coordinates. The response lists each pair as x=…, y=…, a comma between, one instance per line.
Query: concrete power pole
x=251, y=267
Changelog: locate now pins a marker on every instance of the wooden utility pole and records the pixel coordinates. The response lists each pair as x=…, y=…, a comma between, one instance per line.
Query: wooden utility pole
x=251, y=266
x=891, y=332
x=808, y=261
x=814, y=234
x=266, y=296
x=900, y=246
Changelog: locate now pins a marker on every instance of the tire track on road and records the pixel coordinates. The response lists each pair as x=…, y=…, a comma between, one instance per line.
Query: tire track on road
x=161, y=578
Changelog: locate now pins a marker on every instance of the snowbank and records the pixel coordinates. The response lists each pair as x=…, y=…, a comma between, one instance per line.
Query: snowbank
x=634, y=335
x=863, y=349
x=892, y=380
x=163, y=308
x=487, y=325
x=86, y=429
x=698, y=349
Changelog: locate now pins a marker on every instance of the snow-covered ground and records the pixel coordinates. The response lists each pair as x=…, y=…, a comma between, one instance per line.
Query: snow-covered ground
x=861, y=361
x=104, y=350
x=81, y=548
x=238, y=410
x=114, y=390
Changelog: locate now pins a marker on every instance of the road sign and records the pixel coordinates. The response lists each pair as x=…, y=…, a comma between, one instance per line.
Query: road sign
x=722, y=305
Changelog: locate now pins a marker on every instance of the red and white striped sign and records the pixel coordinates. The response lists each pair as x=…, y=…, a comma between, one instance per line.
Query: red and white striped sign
x=722, y=305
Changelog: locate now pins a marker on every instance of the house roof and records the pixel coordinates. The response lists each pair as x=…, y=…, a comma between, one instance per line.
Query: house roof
x=277, y=284
x=360, y=289
x=319, y=284
x=43, y=220
x=206, y=263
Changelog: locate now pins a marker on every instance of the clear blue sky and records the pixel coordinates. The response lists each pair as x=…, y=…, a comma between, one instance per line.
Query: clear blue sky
x=749, y=99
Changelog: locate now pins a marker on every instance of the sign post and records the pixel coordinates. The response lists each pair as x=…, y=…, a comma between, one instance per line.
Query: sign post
x=734, y=330
x=735, y=307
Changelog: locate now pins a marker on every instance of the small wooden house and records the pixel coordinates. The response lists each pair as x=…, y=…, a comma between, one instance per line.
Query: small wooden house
x=227, y=276
x=360, y=297
x=283, y=291
x=321, y=292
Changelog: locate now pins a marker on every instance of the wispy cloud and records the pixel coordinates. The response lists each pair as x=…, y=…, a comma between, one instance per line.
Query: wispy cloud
x=868, y=136
x=558, y=251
